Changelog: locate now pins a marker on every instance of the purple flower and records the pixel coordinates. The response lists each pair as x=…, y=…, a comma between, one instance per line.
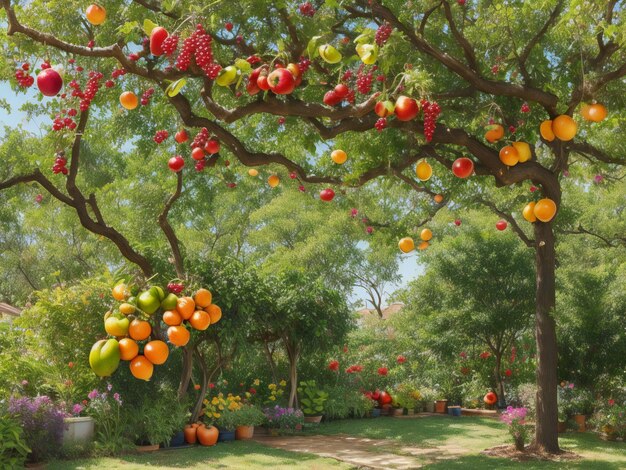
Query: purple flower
x=93, y=394
x=116, y=396
x=109, y=387
x=24, y=383
x=77, y=409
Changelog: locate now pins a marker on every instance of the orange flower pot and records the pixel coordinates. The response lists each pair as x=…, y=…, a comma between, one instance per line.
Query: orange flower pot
x=244, y=432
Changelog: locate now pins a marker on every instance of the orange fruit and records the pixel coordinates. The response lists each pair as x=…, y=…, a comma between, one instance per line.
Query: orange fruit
x=95, y=14
x=438, y=198
x=127, y=309
x=202, y=298
x=185, y=306
x=215, y=312
x=545, y=129
x=564, y=127
x=494, y=133
x=200, y=320
x=423, y=245
x=253, y=172
x=172, y=318
x=595, y=112
x=406, y=245
x=523, y=151
x=141, y=368
x=139, y=330
x=129, y=100
x=120, y=292
x=529, y=212
x=156, y=352
x=128, y=349
x=423, y=170
x=178, y=335
x=509, y=156
x=545, y=209
x=339, y=157
x=273, y=181
x=426, y=234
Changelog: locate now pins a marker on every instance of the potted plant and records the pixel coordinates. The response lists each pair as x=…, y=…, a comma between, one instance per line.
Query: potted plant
x=312, y=401
x=610, y=419
x=247, y=417
x=581, y=406
x=227, y=424
x=178, y=415
x=407, y=397
x=564, y=402
x=428, y=399
x=77, y=428
x=13, y=448
x=283, y=420
x=154, y=423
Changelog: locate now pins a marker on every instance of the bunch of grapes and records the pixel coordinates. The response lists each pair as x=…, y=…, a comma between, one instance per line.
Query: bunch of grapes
x=170, y=44
x=118, y=73
x=92, y=87
x=307, y=9
x=59, y=164
x=175, y=288
x=364, y=81
x=347, y=75
x=59, y=123
x=382, y=33
x=381, y=124
x=160, y=136
x=201, y=138
x=431, y=112
x=198, y=45
x=24, y=79
x=145, y=97
x=304, y=64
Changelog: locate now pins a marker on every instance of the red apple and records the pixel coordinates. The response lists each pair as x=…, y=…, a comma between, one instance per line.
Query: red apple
x=384, y=399
x=281, y=81
x=342, y=90
x=252, y=87
x=384, y=108
x=212, y=146
x=157, y=36
x=327, y=194
x=262, y=82
x=501, y=224
x=49, y=82
x=181, y=136
x=406, y=108
x=331, y=98
x=197, y=154
x=463, y=167
x=176, y=163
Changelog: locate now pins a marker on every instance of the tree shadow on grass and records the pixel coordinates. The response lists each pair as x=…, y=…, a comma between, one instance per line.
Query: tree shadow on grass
x=479, y=462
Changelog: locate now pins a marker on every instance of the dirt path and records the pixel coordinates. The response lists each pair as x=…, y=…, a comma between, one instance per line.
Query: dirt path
x=363, y=452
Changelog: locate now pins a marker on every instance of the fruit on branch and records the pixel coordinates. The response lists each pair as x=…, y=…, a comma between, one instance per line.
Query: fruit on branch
x=95, y=14
x=364, y=80
x=501, y=225
x=203, y=298
x=227, y=76
x=463, y=167
x=529, y=212
x=564, y=127
x=129, y=100
x=127, y=309
x=149, y=301
x=120, y=292
x=200, y=320
x=176, y=163
x=426, y=234
x=431, y=112
x=197, y=154
x=382, y=33
x=406, y=245
x=423, y=170
x=128, y=349
x=181, y=136
x=170, y=44
x=273, y=181
x=438, y=198
x=384, y=108
x=49, y=82
x=339, y=156
x=116, y=324
x=157, y=36
x=406, y=108
x=185, y=306
x=594, y=112
x=342, y=90
x=215, y=312
x=545, y=209
x=545, y=129
x=139, y=330
x=141, y=368
x=368, y=53
x=212, y=146
x=523, y=151
x=331, y=98
x=178, y=335
x=172, y=318
x=160, y=136
x=327, y=194
x=490, y=398
x=307, y=9
x=253, y=172
x=252, y=87
x=281, y=81
x=509, y=156
x=104, y=357
x=169, y=302
x=156, y=352
x=457, y=222
x=329, y=54
x=494, y=133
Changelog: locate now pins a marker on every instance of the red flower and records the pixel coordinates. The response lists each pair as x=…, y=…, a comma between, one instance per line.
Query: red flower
x=333, y=365
x=70, y=364
x=375, y=395
x=485, y=354
x=211, y=385
x=196, y=387
x=345, y=348
x=463, y=355
x=401, y=359
x=508, y=372
x=252, y=391
x=611, y=402
x=465, y=370
x=85, y=402
x=382, y=371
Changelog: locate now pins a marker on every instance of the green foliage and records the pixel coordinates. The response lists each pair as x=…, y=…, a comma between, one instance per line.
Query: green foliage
x=249, y=415
x=312, y=398
x=345, y=402
x=13, y=448
x=158, y=418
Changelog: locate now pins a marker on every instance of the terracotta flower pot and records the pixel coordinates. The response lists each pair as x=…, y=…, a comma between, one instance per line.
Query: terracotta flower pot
x=581, y=422
x=440, y=406
x=244, y=432
x=313, y=419
x=191, y=433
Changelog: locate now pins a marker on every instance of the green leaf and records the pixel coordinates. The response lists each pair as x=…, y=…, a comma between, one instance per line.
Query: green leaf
x=243, y=65
x=174, y=88
x=331, y=3
x=148, y=26
x=127, y=27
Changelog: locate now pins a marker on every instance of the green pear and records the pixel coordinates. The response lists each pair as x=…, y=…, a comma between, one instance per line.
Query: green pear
x=169, y=302
x=148, y=301
x=104, y=357
x=117, y=324
x=329, y=54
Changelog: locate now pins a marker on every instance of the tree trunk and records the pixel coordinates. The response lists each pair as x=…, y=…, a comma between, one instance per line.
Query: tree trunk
x=499, y=382
x=546, y=435
x=292, y=352
x=270, y=360
x=185, y=375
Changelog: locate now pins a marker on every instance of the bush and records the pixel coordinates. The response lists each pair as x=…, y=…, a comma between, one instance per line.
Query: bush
x=313, y=399
x=285, y=419
x=42, y=423
x=157, y=420
x=13, y=448
x=112, y=432
x=527, y=394
x=249, y=415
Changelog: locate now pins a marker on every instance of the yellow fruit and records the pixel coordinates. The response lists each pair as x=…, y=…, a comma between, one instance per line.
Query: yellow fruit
x=253, y=172
x=529, y=212
x=406, y=245
x=423, y=170
x=273, y=181
x=545, y=129
x=339, y=157
x=545, y=209
x=564, y=127
x=426, y=234
x=523, y=151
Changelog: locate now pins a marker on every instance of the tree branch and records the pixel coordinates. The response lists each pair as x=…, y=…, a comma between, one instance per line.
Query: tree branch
x=468, y=49
x=607, y=241
x=169, y=231
x=510, y=219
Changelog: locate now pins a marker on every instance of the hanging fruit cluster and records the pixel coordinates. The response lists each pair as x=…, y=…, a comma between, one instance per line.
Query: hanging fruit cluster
x=130, y=327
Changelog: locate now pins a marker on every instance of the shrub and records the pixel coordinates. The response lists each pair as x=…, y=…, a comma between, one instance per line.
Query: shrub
x=515, y=418
x=249, y=415
x=13, y=448
x=313, y=399
x=610, y=418
x=527, y=394
x=285, y=419
x=42, y=423
x=112, y=433
x=157, y=420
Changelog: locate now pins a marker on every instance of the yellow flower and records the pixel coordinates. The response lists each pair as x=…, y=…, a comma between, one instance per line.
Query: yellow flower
x=248, y=394
x=215, y=401
x=216, y=415
x=283, y=383
x=220, y=394
x=272, y=398
x=272, y=386
x=220, y=407
x=257, y=382
x=205, y=401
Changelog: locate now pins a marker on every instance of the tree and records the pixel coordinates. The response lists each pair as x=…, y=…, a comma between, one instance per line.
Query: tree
x=439, y=40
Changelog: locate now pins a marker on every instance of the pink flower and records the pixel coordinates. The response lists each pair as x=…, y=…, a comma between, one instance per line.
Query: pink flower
x=24, y=383
x=70, y=365
x=333, y=365
x=382, y=371
x=401, y=359
x=354, y=212
x=611, y=402
x=570, y=385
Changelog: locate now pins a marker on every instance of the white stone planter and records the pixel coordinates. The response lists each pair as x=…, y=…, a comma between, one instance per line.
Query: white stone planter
x=80, y=429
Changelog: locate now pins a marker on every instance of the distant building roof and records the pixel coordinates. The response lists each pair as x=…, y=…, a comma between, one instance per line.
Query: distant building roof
x=9, y=310
x=387, y=311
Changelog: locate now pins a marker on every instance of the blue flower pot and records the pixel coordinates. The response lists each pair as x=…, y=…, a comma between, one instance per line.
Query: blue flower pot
x=376, y=413
x=454, y=410
x=177, y=440
x=226, y=436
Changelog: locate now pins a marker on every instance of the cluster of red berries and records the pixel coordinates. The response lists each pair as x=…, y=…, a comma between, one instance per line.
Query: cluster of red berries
x=133, y=57
x=347, y=75
x=174, y=287
x=118, y=73
x=382, y=33
x=170, y=44
x=525, y=108
x=91, y=44
x=24, y=79
x=160, y=136
x=304, y=64
x=364, y=80
x=59, y=164
x=198, y=45
x=381, y=124
x=200, y=164
x=431, y=112
x=92, y=87
x=61, y=123
x=201, y=138
x=254, y=59
x=307, y=9
x=145, y=97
